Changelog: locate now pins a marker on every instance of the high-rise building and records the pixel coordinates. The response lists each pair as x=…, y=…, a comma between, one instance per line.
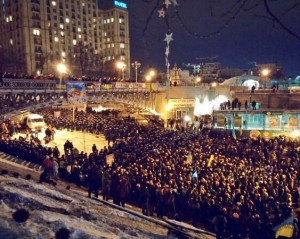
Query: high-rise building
x=37, y=35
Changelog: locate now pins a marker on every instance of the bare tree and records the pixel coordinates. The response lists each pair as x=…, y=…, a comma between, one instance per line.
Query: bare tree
x=44, y=58
x=82, y=57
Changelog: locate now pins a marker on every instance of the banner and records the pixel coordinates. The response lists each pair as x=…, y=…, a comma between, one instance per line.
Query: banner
x=110, y=159
x=293, y=123
x=76, y=92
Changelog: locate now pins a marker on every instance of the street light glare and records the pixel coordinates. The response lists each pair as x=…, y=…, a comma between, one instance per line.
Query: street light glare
x=168, y=107
x=120, y=64
x=61, y=68
x=152, y=73
x=214, y=84
x=148, y=77
x=265, y=72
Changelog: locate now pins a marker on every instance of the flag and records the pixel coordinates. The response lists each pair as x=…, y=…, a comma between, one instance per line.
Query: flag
x=189, y=158
x=285, y=229
x=211, y=159
x=195, y=174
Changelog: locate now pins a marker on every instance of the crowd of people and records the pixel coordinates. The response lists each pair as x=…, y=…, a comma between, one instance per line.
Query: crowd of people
x=240, y=187
x=101, y=79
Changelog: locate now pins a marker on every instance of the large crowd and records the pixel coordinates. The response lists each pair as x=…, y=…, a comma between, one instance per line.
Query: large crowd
x=102, y=79
x=239, y=187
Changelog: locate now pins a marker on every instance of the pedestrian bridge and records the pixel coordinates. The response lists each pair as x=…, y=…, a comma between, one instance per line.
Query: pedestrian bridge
x=29, y=95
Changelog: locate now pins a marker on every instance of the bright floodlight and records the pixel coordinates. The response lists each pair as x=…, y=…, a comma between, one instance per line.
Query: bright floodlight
x=265, y=72
x=148, y=77
x=214, y=84
x=120, y=64
x=198, y=79
x=168, y=107
x=187, y=118
x=152, y=73
x=296, y=133
x=61, y=68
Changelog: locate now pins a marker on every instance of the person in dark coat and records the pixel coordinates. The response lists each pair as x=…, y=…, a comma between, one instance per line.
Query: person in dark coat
x=123, y=191
x=144, y=199
x=94, y=182
x=106, y=182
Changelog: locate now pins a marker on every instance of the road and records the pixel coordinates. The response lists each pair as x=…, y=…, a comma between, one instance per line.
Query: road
x=81, y=141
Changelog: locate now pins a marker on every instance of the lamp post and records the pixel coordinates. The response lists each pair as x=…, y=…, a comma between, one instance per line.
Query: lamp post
x=121, y=65
x=61, y=68
x=136, y=65
x=265, y=73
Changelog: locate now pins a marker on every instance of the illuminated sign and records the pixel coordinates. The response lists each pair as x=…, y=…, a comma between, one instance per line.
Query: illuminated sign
x=120, y=4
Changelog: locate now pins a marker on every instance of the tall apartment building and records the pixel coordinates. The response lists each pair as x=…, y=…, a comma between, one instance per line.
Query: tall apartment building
x=36, y=35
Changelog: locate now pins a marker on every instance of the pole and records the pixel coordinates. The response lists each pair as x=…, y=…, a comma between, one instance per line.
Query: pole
x=73, y=113
x=136, y=83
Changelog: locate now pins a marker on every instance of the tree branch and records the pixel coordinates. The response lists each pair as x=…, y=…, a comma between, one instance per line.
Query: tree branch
x=276, y=19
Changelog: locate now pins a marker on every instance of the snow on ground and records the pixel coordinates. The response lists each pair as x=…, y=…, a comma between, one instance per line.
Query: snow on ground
x=51, y=209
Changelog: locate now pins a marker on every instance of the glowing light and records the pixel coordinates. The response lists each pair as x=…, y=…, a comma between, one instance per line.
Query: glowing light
x=168, y=107
x=296, y=133
x=198, y=79
x=120, y=65
x=187, y=118
x=214, y=84
x=265, y=72
x=249, y=83
x=61, y=68
x=152, y=73
x=148, y=77
x=206, y=107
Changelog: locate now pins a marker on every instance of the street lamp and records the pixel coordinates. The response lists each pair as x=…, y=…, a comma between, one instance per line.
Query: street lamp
x=265, y=73
x=136, y=65
x=121, y=65
x=61, y=68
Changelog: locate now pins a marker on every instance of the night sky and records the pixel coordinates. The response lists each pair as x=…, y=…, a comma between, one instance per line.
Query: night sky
x=250, y=36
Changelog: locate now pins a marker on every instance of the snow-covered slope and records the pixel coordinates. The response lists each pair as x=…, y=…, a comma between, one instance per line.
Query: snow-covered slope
x=53, y=208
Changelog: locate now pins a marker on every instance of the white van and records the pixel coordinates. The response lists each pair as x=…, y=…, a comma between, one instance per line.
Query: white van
x=34, y=121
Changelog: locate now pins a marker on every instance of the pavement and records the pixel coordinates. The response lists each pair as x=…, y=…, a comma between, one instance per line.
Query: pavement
x=81, y=140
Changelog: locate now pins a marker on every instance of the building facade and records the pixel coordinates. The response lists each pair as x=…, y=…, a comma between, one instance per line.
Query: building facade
x=36, y=35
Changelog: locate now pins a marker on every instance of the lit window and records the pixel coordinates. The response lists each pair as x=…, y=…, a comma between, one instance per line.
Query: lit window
x=56, y=39
x=9, y=19
x=79, y=29
x=94, y=20
x=112, y=45
x=83, y=4
x=120, y=20
x=104, y=21
x=79, y=36
x=62, y=34
x=122, y=45
x=122, y=58
x=74, y=42
x=108, y=21
x=105, y=34
x=108, y=39
x=36, y=32
x=109, y=58
x=61, y=26
x=108, y=46
x=67, y=20
x=11, y=41
x=53, y=3
x=112, y=20
x=63, y=54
